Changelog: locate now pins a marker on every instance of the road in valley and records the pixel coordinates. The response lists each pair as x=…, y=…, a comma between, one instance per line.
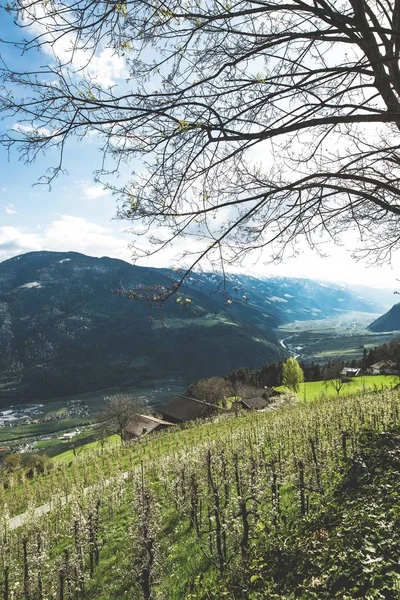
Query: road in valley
x=282, y=343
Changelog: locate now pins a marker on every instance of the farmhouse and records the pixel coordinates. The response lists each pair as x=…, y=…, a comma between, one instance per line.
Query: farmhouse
x=350, y=372
x=182, y=409
x=142, y=424
x=257, y=398
x=384, y=367
x=253, y=403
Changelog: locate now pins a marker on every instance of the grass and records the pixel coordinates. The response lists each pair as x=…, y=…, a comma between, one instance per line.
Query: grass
x=86, y=442
x=207, y=321
x=341, y=323
x=87, y=449
x=116, y=458
x=46, y=444
x=290, y=553
x=349, y=347
x=311, y=390
x=187, y=572
x=89, y=459
x=348, y=549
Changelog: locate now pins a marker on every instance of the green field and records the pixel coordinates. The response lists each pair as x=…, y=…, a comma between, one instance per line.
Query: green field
x=310, y=390
x=81, y=443
x=344, y=347
x=90, y=446
x=209, y=320
x=35, y=430
x=85, y=441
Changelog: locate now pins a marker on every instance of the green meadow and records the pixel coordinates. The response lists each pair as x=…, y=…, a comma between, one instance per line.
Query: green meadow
x=310, y=390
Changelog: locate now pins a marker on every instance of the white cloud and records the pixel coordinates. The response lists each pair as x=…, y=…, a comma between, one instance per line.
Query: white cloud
x=104, y=67
x=63, y=234
x=70, y=233
x=338, y=267
x=10, y=210
x=14, y=241
x=91, y=192
x=80, y=235
x=43, y=131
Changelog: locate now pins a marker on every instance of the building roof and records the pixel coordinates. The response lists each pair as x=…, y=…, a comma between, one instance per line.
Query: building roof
x=383, y=364
x=350, y=371
x=144, y=423
x=255, y=403
x=249, y=391
x=183, y=408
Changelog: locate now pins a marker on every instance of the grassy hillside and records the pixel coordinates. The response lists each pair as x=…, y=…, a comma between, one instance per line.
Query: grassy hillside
x=311, y=390
x=258, y=506
x=48, y=434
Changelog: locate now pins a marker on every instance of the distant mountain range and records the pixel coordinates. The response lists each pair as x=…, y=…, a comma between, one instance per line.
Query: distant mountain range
x=64, y=330
x=390, y=321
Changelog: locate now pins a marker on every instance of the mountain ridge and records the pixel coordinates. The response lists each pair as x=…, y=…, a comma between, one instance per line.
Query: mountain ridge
x=390, y=321
x=64, y=328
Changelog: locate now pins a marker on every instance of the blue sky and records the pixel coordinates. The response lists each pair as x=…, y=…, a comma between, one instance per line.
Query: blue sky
x=78, y=214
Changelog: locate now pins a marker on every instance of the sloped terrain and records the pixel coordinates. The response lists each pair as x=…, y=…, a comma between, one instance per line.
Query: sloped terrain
x=390, y=321
x=65, y=330
x=287, y=299
x=298, y=502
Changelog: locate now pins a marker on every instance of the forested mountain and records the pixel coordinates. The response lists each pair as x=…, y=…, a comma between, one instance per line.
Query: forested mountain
x=64, y=328
x=390, y=321
x=287, y=299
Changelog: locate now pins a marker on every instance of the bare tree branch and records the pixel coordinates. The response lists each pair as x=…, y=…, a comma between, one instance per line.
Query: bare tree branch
x=254, y=123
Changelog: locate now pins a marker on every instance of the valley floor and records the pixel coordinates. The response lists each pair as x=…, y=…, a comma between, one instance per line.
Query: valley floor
x=343, y=337
x=45, y=433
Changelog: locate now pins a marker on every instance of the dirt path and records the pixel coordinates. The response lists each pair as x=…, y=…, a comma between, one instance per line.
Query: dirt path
x=44, y=509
